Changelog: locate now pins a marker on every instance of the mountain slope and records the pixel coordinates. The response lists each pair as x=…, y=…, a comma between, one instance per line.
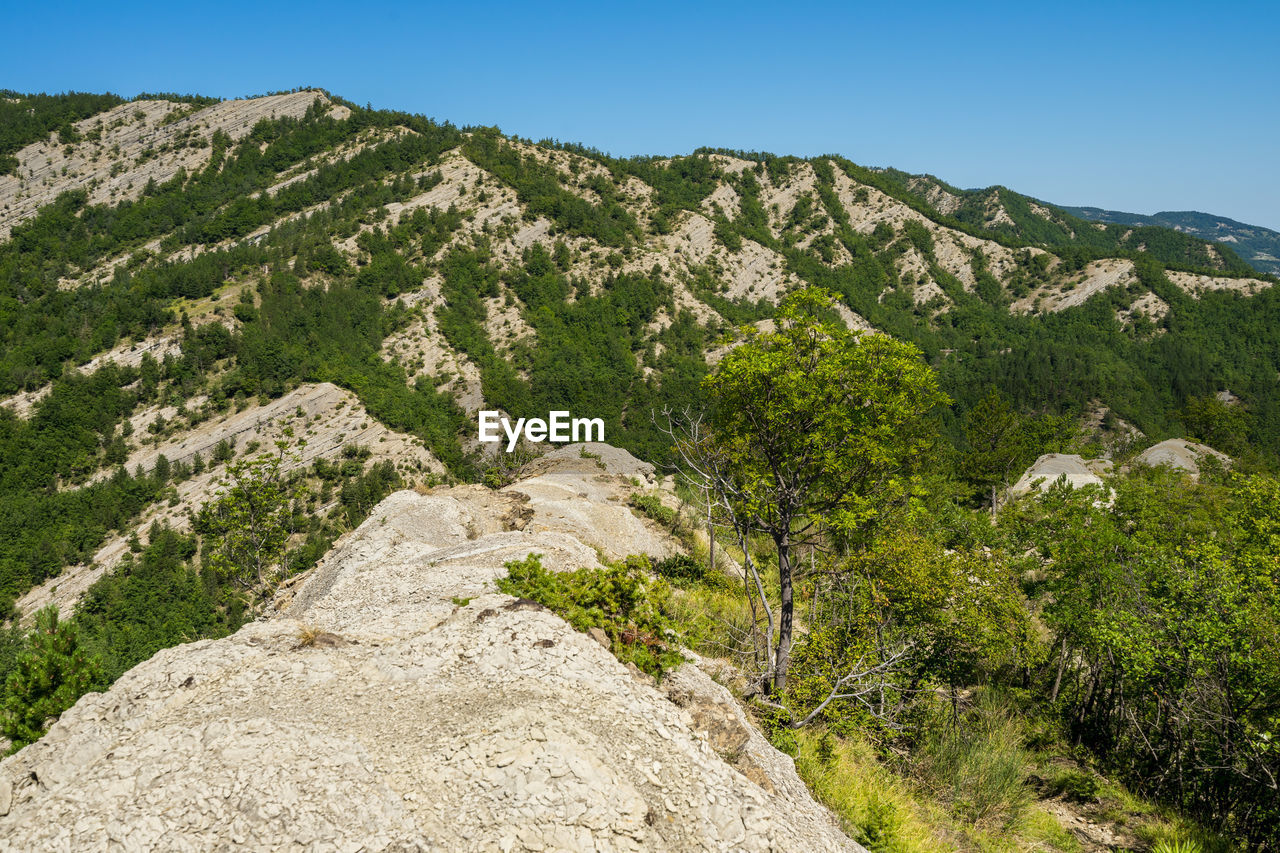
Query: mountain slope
x=354, y=285
x=432, y=271
x=1008, y=215
x=1258, y=246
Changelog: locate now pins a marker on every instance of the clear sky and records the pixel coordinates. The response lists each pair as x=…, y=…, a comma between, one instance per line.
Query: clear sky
x=1130, y=106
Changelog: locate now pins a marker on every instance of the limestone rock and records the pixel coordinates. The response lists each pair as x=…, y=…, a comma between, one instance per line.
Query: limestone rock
x=413, y=721
x=1046, y=471
x=1181, y=455
x=600, y=637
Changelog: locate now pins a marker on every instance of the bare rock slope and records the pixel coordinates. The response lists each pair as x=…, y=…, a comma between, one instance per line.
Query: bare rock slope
x=423, y=711
x=1051, y=467
x=1181, y=455
x=136, y=142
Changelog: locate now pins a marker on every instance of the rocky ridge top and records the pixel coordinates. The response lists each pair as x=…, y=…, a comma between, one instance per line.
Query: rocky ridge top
x=395, y=702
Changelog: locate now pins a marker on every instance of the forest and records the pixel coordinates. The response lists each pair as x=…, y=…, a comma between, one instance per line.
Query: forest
x=1132, y=629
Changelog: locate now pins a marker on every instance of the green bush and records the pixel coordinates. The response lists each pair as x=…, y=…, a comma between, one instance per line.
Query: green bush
x=1078, y=786
x=49, y=676
x=652, y=506
x=621, y=599
x=681, y=570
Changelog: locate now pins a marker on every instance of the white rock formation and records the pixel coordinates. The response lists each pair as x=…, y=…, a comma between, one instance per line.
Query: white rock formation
x=395, y=702
x=141, y=141
x=1181, y=455
x=1049, y=468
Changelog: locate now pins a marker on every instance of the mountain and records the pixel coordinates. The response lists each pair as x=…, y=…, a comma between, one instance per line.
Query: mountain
x=180, y=274
x=1001, y=211
x=1258, y=246
x=244, y=350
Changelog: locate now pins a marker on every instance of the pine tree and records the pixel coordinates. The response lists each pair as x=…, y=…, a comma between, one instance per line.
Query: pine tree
x=48, y=679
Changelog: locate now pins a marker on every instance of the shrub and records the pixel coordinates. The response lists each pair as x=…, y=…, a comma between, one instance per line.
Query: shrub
x=49, y=676
x=652, y=506
x=1077, y=786
x=681, y=570
x=621, y=599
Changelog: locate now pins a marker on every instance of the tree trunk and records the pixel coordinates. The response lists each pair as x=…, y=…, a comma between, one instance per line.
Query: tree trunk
x=782, y=661
x=711, y=535
x=1062, y=663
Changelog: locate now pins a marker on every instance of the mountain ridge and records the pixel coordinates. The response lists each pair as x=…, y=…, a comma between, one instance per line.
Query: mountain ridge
x=239, y=248
x=1259, y=246
x=447, y=715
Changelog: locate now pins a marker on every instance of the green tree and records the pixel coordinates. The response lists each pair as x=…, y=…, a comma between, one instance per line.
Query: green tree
x=163, y=470
x=820, y=429
x=1222, y=426
x=249, y=521
x=49, y=677
x=1166, y=609
x=998, y=444
x=224, y=451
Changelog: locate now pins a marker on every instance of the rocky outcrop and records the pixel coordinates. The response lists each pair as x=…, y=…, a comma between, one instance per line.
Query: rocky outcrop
x=1051, y=467
x=1181, y=455
x=394, y=701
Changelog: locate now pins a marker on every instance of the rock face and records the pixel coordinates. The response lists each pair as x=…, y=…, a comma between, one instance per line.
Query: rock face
x=327, y=417
x=1181, y=455
x=395, y=702
x=1046, y=471
x=140, y=141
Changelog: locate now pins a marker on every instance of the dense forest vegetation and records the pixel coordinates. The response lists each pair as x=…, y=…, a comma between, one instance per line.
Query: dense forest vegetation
x=1074, y=626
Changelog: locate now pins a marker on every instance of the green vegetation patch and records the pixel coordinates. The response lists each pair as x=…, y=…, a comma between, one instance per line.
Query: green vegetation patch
x=623, y=599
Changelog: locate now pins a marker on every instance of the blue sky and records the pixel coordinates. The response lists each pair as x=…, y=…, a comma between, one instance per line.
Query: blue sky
x=1139, y=106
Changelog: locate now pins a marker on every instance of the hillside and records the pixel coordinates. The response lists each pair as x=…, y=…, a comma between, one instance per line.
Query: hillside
x=170, y=261
x=296, y=296
x=1258, y=246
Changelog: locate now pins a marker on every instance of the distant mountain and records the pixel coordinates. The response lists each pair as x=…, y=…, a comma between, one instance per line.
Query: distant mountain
x=1258, y=246
x=1005, y=215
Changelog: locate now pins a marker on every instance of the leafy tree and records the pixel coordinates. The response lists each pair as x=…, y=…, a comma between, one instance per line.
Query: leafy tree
x=1222, y=426
x=1164, y=605
x=820, y=430
x=49, y=677
x=250, y=521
